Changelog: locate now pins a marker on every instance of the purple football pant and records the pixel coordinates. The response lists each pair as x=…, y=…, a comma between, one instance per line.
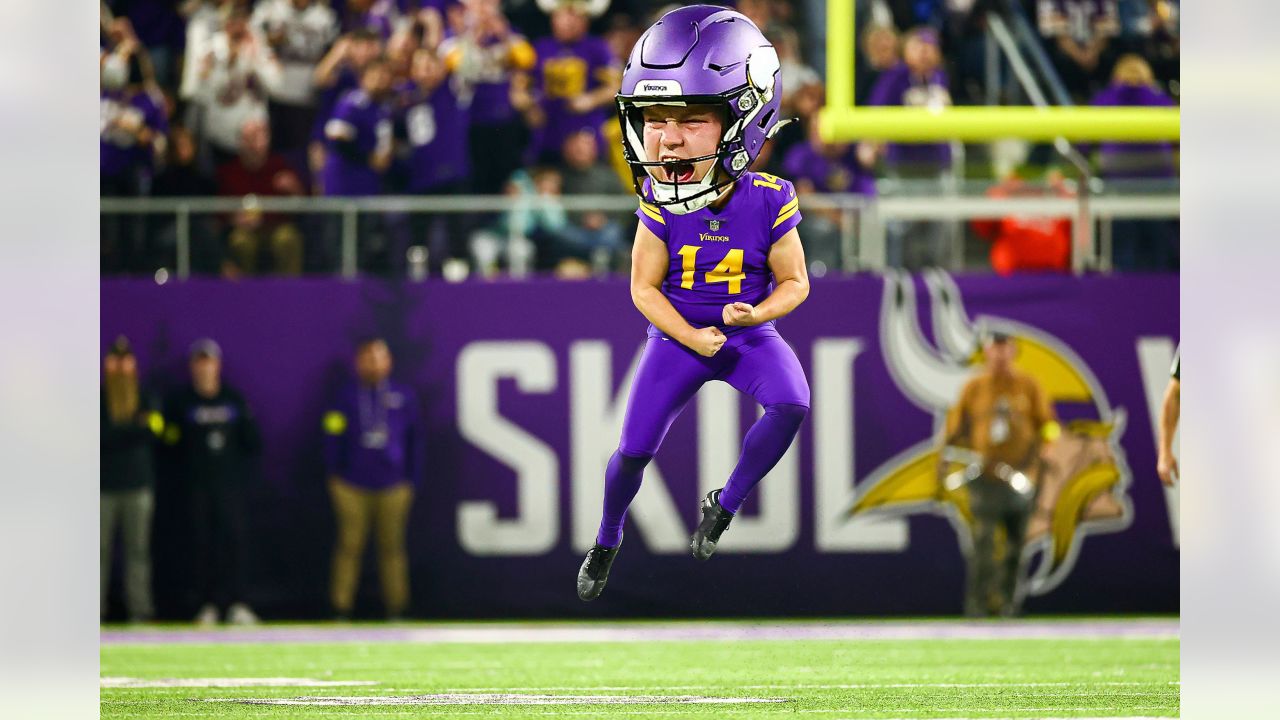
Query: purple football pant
x=757, y=362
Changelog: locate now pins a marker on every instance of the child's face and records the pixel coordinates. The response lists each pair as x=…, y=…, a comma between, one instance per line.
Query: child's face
x=673, y=133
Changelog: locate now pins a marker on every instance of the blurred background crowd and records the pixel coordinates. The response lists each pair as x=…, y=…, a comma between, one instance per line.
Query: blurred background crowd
x=514, y=98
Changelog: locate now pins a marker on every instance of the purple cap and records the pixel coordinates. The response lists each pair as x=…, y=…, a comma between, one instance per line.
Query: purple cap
x=206, y=347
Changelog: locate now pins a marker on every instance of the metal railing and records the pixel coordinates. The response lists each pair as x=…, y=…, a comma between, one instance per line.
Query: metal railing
x=861, y=222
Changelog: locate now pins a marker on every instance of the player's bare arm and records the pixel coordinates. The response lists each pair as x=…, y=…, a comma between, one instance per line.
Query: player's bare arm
x=791, y=285
x=649, y=261
x=1167, y=464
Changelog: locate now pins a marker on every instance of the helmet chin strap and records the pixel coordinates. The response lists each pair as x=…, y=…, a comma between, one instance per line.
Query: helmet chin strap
x=724, y=191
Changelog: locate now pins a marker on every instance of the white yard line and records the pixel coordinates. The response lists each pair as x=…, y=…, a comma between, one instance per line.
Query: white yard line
x=807, y=686
x=489, y=699
x=128, y=682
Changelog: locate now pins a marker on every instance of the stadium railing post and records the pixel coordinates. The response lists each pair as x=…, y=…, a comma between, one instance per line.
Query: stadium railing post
x=182, y=224
x=349, y=225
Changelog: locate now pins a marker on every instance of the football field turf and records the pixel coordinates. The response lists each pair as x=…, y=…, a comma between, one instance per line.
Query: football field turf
x=1096, y=668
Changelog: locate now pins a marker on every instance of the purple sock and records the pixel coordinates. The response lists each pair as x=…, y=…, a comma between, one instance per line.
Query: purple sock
x=762, y=448
x=621, y=483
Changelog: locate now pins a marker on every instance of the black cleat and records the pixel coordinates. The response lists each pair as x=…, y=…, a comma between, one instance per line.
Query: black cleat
x=715, y=520
x=594, y=572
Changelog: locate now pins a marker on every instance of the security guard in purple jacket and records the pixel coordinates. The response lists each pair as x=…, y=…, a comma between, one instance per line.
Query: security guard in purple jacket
x=373, y=455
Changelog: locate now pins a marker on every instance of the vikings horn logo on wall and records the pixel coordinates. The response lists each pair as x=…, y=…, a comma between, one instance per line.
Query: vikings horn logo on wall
x=1084, y=489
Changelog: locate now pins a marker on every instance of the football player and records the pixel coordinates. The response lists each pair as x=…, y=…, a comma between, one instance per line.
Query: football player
x=716, y=258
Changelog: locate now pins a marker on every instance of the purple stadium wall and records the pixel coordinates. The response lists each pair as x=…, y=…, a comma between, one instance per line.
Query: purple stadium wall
x=520, y=383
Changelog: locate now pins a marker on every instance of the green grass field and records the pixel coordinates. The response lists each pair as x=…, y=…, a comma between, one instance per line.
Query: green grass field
x=1076, y=675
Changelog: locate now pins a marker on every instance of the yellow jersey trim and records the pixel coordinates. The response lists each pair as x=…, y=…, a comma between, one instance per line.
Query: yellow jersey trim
x=787, y=211
x=652, y=212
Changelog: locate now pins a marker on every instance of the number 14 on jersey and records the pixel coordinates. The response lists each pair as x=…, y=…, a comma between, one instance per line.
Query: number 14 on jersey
x=729, y=270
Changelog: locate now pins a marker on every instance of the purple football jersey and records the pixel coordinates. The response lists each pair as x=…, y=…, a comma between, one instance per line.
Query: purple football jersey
x=485, y=71
x=347, y=170
x=436, y=128
x=327, y=100
x=564, y=72
x=717, y=258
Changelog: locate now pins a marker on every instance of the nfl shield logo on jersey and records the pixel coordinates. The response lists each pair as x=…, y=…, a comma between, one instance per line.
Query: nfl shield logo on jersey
x=715, y=225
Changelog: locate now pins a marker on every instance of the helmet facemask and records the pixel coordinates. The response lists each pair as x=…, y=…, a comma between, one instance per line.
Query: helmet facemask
x=740, y=108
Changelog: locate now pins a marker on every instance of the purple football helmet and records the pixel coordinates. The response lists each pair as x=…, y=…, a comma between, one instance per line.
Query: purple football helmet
x=701, y=55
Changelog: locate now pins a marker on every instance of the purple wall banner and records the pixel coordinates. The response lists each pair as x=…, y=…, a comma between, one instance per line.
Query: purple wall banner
x=524, y=385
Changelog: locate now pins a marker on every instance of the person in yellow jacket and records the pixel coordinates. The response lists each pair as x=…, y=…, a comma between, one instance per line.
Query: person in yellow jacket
x=1004, y=417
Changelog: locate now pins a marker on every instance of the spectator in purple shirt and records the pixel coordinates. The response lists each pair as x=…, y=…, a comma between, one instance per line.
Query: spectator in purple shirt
x=1134, y=84
x=373, y=455
x=434, y=122
x=484, y=55
x=337, y=73
x=918, y=81
x=574, y=82
x=358, y=136
x=358, y=151
x=1138, y=245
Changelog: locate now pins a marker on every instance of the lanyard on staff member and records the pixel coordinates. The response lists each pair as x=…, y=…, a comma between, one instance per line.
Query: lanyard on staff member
x=373, y=416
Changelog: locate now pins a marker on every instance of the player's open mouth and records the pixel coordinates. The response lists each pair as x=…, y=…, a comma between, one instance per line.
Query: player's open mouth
x=680, y=172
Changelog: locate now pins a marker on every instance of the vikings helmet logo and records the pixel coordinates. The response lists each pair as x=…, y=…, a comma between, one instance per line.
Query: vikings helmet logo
x=1084, y=488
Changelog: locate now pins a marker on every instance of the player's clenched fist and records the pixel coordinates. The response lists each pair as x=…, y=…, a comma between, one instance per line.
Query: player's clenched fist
x=1167, y=468
x=739, y=314
x=706, y=341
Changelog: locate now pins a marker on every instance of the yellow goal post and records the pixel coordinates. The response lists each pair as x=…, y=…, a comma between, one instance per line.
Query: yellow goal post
x=841, y=121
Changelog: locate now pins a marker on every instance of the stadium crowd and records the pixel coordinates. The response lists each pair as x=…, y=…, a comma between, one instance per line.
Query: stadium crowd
x=344, y=98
